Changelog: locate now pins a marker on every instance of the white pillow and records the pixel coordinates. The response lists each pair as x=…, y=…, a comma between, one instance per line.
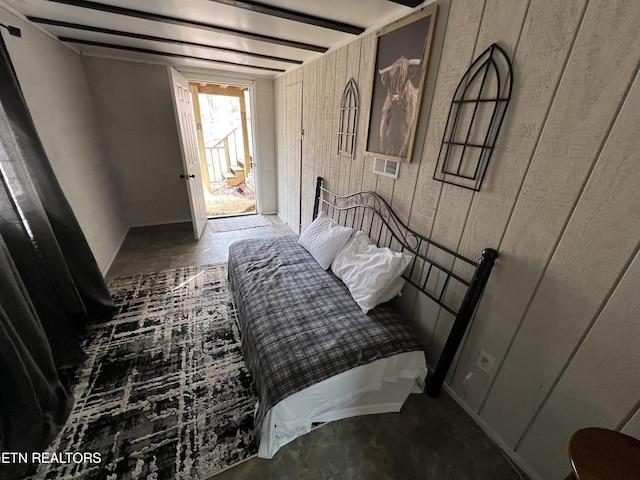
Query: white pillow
x=370, y=273
x=395, y=289
x=324, y=238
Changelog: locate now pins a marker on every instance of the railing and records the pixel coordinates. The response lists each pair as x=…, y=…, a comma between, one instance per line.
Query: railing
x=225, y=155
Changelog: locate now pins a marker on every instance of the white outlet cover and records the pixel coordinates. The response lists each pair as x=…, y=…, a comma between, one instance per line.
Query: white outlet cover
x=485, y=362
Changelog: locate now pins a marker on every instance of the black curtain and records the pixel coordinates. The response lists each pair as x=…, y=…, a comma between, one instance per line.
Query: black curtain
x=51, y=286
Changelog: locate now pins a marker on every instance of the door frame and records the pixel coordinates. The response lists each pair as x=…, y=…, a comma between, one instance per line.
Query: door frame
x=213, y=77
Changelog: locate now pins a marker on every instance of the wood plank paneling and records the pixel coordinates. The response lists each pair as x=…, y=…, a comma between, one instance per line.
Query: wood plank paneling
x=293, y=149
x=317, y=138
x=462, y=30
x=335, y=178
x=369, y=179
x=421, y=312
x=601, y=374
x=330, y=80
x=359, y=167
x=570, y=143
x=506, y=17
x=405, y=185
x=351, y=71
x=632, y=427
x=309, y=141
x=539, y=61
x=457, y=54
x=559, y=201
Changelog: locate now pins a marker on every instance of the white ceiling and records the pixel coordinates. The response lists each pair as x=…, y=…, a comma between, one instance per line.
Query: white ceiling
x=231, y=35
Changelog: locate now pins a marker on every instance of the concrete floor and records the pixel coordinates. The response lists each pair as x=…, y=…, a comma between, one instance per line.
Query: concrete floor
x=162, y=247
x=429, y=439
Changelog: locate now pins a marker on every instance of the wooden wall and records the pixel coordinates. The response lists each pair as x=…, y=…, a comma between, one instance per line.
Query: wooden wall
x=561, y=202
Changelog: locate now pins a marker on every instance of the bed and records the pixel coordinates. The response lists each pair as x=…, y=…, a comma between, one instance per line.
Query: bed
x=316, y=351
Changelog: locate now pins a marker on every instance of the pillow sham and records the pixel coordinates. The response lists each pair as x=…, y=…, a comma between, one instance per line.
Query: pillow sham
x=395, y=289
x=370, y=273
x=324, y=238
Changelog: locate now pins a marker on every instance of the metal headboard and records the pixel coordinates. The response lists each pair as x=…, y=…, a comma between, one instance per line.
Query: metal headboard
x=431, y=271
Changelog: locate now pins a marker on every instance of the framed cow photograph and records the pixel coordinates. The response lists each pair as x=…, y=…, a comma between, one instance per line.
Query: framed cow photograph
x=402, y=60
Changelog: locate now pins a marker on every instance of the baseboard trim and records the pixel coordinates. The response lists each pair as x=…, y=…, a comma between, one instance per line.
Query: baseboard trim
x=155, y=224
x=105, y=269
x=493, y=436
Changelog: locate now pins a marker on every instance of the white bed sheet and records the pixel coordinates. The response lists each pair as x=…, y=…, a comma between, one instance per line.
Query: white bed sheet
x=378, y=387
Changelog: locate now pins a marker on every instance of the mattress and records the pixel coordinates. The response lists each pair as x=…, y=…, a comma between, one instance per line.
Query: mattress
x=299, y=324
x=379, y=387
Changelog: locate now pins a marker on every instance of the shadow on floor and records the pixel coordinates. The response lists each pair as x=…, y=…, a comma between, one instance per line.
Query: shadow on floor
x=429, y=439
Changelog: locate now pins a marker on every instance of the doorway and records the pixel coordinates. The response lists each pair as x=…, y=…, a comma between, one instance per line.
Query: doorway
x=223, y=118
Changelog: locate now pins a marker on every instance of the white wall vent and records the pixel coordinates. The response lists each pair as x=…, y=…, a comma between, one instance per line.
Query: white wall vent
x=388, y=168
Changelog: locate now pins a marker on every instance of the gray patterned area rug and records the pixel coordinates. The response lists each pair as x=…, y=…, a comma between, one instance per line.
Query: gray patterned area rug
x=164, y=392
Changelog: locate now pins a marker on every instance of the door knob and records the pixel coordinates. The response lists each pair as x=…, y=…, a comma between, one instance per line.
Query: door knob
x=189, y=176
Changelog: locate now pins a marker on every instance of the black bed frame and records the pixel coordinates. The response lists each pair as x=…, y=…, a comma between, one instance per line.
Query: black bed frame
x=458, y=293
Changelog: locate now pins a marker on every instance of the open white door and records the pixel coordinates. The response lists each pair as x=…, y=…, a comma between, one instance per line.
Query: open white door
x=189, y=147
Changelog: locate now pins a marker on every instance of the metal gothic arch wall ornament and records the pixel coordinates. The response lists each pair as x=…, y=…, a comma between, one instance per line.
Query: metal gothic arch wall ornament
x=476, y=114
x=348, y=126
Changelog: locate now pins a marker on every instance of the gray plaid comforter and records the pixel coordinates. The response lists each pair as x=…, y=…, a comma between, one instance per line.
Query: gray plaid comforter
x=299, y=324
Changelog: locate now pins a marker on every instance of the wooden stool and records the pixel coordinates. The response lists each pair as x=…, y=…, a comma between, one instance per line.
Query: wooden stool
x=601, y=454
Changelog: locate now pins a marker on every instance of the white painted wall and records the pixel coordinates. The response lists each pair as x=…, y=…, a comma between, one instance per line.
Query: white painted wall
x=58, y=96
x=135, y=113
x=561, y=202
x=134, y=110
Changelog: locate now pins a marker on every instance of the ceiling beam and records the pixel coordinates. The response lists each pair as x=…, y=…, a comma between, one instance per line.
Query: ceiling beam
x=292, y=15
x=155, y=17
x=89, y=28
x=163, y=54
x=408, y=3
